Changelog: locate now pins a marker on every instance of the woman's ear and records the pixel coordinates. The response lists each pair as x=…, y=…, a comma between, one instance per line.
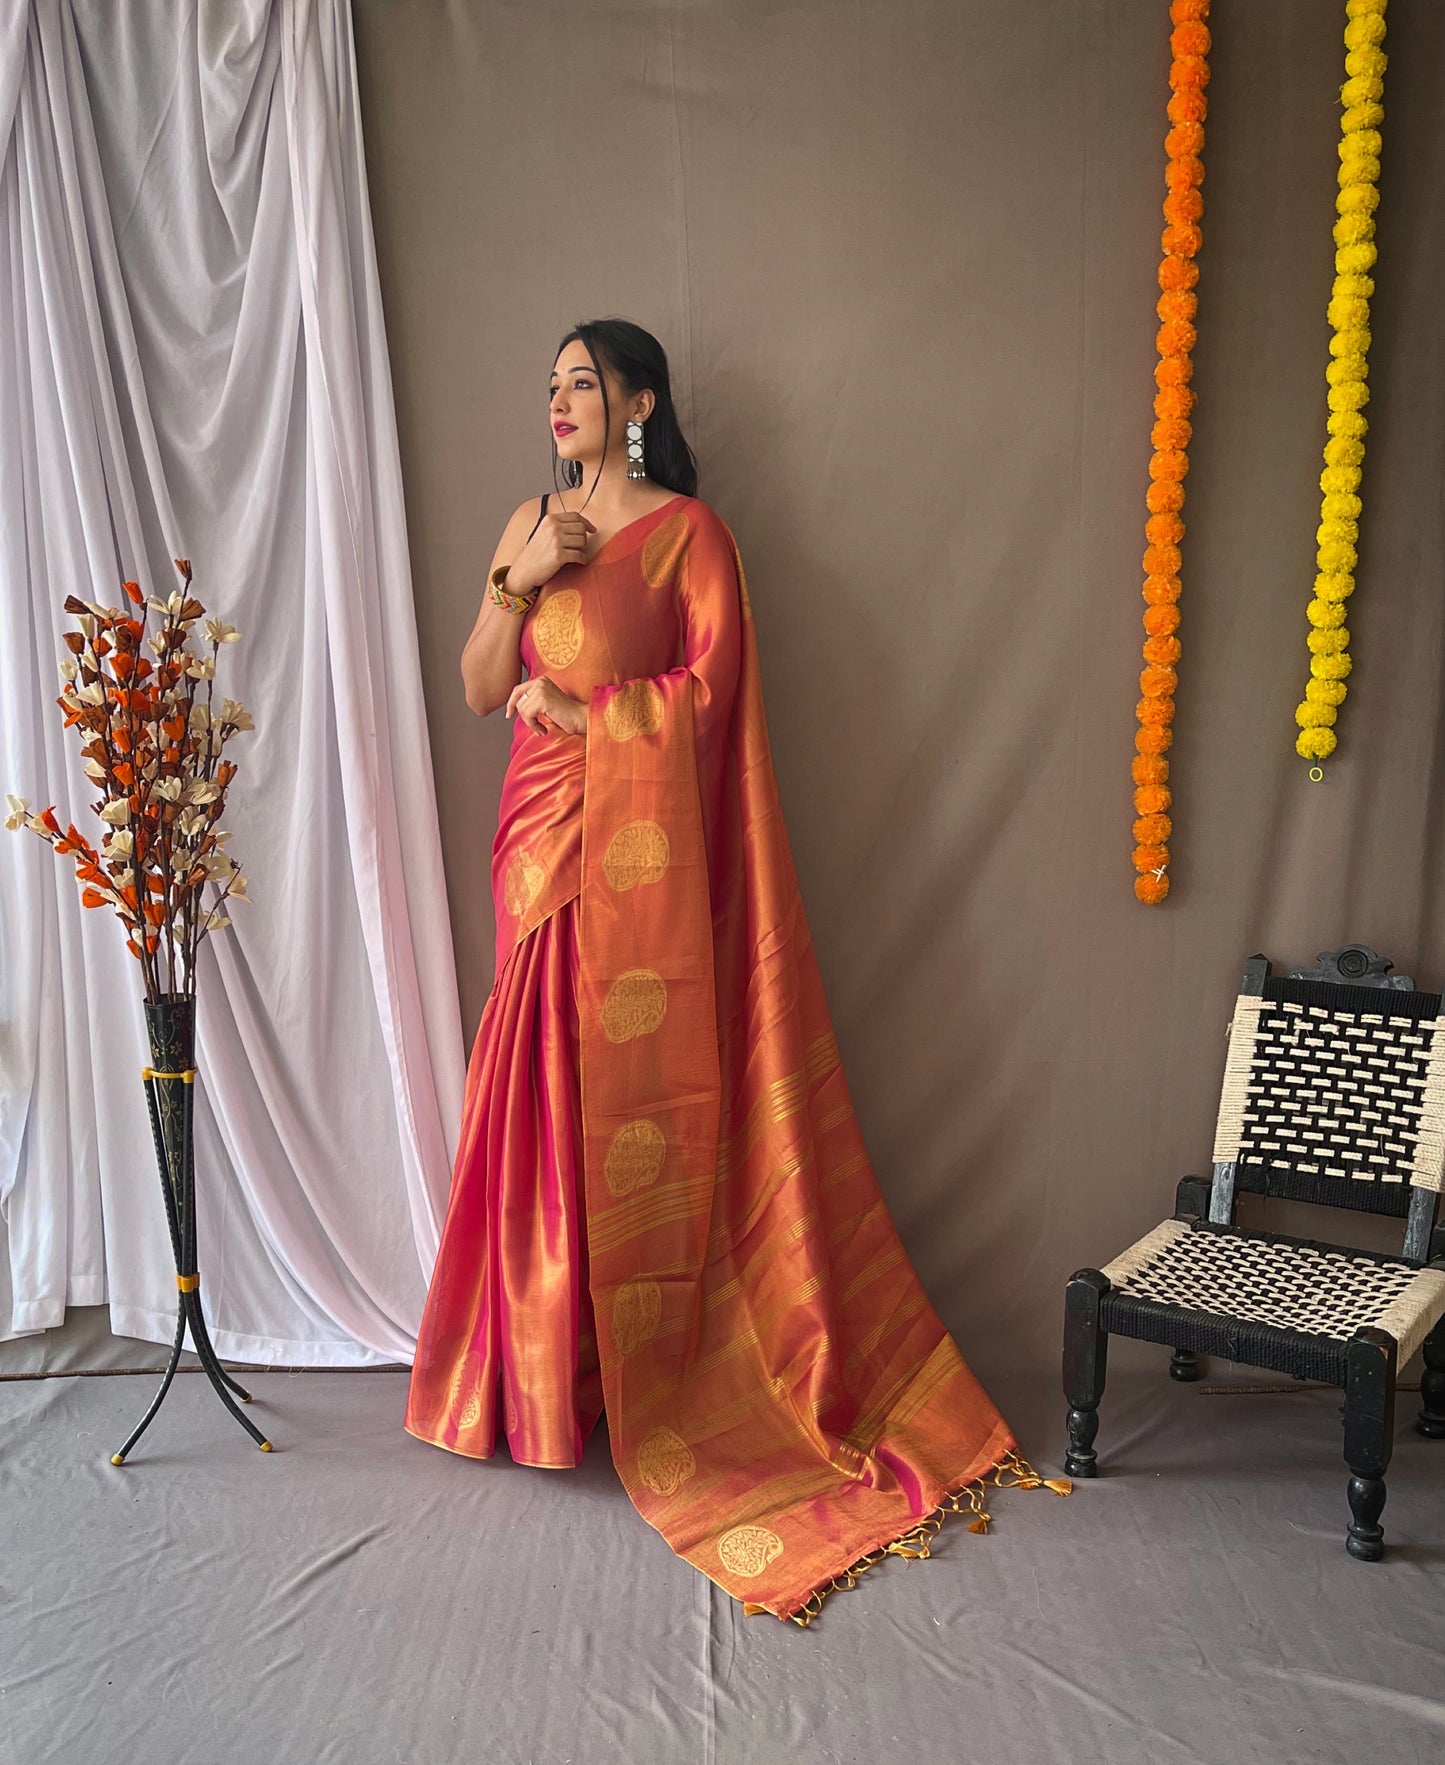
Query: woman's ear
x=645, y=405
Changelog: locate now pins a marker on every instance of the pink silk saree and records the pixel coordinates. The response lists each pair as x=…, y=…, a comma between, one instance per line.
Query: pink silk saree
x=693, y=1233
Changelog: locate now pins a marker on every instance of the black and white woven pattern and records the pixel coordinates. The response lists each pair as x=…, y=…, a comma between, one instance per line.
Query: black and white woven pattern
x=1288, y=1284
x=1333, y=1093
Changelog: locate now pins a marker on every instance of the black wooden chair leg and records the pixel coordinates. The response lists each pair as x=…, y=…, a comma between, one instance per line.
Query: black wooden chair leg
x=1185, y=1366
x=1369, y=1437
x=1431, y=1420
x=1086, y=1356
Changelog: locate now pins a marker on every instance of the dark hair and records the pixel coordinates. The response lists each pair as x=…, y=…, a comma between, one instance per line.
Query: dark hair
x=639, y=362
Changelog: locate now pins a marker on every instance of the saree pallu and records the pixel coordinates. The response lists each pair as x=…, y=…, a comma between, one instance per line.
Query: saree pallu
x=782, y=1399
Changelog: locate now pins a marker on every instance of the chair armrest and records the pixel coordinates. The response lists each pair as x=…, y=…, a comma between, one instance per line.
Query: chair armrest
x=1191, y=1198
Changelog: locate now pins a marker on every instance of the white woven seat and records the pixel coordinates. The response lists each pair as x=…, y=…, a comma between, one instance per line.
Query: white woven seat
x=1286, y=1284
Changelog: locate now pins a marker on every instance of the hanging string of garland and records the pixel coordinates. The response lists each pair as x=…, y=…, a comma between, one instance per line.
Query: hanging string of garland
x=1173, y=402
x=1349, y=316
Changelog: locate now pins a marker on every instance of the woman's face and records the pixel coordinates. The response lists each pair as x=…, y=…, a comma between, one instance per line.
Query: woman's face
x=575, y=409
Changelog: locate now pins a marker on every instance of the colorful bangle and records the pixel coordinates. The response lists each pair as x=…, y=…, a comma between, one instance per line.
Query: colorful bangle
x=509, y=603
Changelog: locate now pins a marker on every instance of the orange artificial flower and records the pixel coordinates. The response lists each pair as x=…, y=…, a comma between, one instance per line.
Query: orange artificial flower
x=1183, y=207
x=1175, y=337
x=1182, y=238
x=1177, y=274
x=1170, y=435
x=1177, y=303
x=1173, y=402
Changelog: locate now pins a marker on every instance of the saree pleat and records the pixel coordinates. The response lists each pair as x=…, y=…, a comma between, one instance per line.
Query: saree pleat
x=508, y=1318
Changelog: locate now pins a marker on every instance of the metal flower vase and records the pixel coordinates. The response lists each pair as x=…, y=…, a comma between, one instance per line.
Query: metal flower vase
x=170, y=1083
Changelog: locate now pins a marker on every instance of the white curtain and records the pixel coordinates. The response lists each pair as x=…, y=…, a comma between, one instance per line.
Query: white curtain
x=193, y=364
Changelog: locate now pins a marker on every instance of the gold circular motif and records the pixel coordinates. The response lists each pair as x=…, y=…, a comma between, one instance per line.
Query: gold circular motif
x=637, y=853
x=634, y=709
x=636, y=1313
x=664, y=1461
x=747, y=1550
x=635, y=1158
x=524, y=882
x=557, y=628
x=662, y=548
x=635, y=1006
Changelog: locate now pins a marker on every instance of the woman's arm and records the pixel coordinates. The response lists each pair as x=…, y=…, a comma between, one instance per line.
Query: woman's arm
x=533, y=554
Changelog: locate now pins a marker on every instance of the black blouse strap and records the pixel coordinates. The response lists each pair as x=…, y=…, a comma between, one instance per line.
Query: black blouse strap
x=538, y=522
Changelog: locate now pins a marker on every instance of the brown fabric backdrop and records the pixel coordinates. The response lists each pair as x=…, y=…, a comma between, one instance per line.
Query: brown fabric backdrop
x=902, y=256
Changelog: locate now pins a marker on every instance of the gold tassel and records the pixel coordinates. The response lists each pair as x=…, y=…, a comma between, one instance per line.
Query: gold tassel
x=1013, y=1472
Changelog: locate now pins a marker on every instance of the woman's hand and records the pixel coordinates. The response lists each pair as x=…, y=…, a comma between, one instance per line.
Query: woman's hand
x=545, y=708
x=560, y=539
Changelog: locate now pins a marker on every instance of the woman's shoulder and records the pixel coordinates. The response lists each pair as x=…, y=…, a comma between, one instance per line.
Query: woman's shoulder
x=703, y=517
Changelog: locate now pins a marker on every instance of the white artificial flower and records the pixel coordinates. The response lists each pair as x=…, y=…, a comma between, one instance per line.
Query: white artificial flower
x=219, y=632
x=93, y=769
x=69, y=667
x=235, y=713
x=237, y=889
x=94, y=694
x=86, y=624
x=119, y=844
x=99, y=612
x=115, y=814
x=190, y=822
x=218, y=864
x=36, y=824
x=18, y=806
x=167, y=789
x=202, y=668
x=215, y=921
x=200, y=716
x=174, y=602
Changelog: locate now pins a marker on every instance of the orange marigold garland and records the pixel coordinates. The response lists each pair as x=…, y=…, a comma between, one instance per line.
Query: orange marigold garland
x=1173, y=402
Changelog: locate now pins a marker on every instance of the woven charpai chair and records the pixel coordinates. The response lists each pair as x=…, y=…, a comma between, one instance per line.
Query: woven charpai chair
x=1334, y=1092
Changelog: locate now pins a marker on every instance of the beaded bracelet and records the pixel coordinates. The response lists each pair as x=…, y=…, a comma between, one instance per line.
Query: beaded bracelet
x=499, y=596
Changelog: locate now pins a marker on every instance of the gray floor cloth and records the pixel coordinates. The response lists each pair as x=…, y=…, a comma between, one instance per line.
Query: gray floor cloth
x=357, y=1596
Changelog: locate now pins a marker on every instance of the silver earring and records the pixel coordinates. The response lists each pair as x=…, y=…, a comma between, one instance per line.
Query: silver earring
x=635, y=467
x=571, y=473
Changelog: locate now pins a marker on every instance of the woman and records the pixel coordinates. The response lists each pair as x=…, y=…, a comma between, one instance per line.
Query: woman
x=661, y=1202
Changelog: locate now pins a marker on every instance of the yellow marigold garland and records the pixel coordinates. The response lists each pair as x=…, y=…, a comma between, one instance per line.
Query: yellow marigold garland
x=1164, y=530
x=1349, y=316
